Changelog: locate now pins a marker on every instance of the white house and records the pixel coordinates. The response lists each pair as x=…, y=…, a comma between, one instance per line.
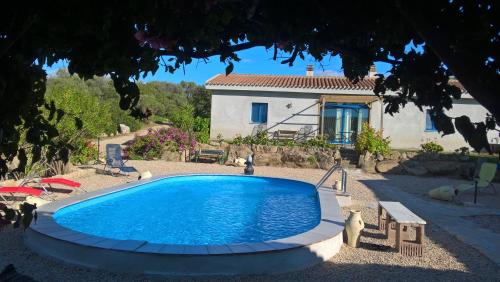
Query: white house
x=327, y=105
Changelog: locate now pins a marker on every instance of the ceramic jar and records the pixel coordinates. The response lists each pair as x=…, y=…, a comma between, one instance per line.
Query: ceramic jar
x=353, y=227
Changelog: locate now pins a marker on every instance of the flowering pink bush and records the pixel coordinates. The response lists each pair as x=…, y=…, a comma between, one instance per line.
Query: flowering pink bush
x=179, y=137
x=152, y=145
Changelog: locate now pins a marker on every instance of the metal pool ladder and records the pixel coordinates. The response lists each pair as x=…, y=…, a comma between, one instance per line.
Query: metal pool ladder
x=329, y=173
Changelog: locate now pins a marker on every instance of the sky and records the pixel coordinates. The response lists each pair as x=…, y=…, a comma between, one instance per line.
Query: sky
x=257, y=60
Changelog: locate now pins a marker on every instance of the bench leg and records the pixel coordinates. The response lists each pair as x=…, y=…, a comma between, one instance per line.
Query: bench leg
x=407, y=247
x=381, y=220
x=399, y=230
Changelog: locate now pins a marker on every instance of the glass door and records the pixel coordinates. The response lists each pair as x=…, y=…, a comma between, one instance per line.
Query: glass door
x=343, y=122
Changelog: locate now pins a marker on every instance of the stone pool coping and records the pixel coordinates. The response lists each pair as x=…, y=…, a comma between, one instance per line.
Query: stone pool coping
x=331, y=225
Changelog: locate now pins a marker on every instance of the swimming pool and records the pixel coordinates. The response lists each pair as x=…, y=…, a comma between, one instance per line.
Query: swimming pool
x=193, y=225
x=199, y=210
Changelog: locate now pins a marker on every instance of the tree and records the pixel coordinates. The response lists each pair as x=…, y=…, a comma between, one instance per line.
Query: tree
x=130, y=39
x=199, y=97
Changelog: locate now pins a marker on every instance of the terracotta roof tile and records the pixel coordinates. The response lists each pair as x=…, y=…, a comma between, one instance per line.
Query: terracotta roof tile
x=285, y=81
x=288, y=81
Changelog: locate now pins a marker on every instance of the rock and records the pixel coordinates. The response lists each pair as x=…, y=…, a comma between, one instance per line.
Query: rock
x=441, y=167
x=325, y=161
x=394, y=155
x=367, y=163
x=363, y=158
x=267, y=159
x=414, y=168
x=145, y=175
x=171, y=156
x=404, y=156
x=427, y=156
x=124, y=129
x=369, y=166
x=243, y=151
x=379, y=157
x=411, y=154
x=337, y=156
x=213, y=143
x=238, y=151
x=298, y=158
x=466, y=170
x=240, y=162
x=389, y=166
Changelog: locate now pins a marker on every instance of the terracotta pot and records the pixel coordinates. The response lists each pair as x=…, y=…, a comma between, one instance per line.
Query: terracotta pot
x=353, y=227
x=444, y=193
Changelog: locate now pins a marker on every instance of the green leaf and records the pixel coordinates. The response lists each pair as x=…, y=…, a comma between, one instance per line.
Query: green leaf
x=78, y=123
x=443, y=123
x=229, y=68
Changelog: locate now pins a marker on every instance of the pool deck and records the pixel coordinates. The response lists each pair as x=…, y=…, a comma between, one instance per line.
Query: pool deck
x=275, y=256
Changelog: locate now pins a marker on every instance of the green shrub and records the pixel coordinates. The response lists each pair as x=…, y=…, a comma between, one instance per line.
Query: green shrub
x=84, y=153
x=238, y=140
x=318, y=142
x=431, y=147
x=371, y=141
x=147, y=147
x=262, y=138
x=78, y=104
x=201, y=128
x=183, y=118
x=119, y=116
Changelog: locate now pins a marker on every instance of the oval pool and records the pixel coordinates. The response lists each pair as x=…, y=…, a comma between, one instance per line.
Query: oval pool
x=199, y=210
x=193, y=225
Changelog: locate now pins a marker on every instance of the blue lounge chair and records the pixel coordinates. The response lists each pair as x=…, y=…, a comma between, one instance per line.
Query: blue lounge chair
x=114, y=160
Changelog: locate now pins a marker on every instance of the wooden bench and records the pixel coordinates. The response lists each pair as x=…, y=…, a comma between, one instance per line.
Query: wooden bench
x=218, y=155
x=285, y=135
x=397, y=221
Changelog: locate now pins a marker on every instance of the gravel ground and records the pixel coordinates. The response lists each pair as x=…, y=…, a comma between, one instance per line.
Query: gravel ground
x=445, y=259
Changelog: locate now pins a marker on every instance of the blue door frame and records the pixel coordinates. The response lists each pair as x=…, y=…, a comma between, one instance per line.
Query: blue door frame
x=343, y=137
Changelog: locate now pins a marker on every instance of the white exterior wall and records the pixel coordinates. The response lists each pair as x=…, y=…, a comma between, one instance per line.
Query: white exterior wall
x=231, y=111
x=406, y=129
x=376, y=111
x=231, y=115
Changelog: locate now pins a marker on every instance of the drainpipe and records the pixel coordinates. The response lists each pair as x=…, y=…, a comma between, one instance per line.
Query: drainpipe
x=381, y=116
x=322, y=103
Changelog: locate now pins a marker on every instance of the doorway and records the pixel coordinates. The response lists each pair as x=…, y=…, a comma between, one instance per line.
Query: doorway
x=343, y=122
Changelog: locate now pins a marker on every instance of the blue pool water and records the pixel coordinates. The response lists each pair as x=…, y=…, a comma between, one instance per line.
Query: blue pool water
x=199, y=210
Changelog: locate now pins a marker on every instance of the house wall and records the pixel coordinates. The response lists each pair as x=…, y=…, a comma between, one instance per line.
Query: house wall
x=231, y=111
x=231, y=115
x=406, y=129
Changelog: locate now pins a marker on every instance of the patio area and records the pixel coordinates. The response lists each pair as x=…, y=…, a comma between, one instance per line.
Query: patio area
x=445, y=257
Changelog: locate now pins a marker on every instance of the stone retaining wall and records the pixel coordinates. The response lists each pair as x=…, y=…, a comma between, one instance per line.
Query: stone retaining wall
x=281, y=156
x=420, y=164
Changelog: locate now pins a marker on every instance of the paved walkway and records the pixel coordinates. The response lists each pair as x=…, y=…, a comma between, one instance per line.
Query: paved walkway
x=122, y=139
x=448, y=217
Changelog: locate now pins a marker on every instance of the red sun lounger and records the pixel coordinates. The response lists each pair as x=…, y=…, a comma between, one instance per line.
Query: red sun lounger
x=19, y=190
x=44, y=182
x=62, y=181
